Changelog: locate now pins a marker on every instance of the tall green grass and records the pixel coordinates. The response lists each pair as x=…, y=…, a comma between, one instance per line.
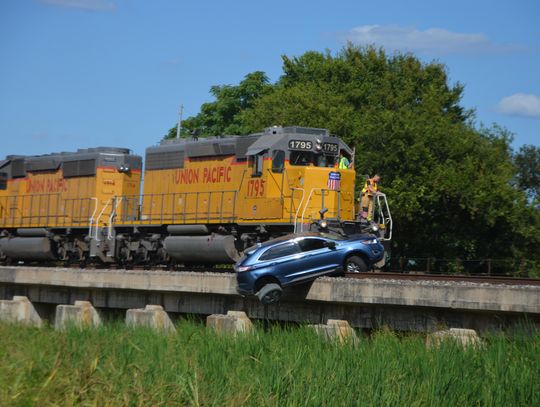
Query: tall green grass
x=115, y=365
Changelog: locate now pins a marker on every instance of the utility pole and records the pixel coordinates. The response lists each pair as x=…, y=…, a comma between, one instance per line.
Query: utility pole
x=179, y=127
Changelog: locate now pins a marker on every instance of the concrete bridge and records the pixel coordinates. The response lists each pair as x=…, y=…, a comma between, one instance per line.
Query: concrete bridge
x=419, y=305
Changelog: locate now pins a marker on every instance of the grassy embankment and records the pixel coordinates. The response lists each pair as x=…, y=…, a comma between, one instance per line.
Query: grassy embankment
x=115, y=365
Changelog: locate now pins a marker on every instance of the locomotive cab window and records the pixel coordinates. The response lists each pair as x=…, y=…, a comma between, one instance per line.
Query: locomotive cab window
x=256, y=162
x=278, y=160
x=3, y=180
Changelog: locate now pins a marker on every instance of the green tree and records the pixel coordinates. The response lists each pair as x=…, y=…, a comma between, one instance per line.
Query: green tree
x=527, y=161
x=226, y=114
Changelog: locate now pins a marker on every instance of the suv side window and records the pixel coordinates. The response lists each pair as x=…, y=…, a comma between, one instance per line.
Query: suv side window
x=282, y=250
x=311, y=244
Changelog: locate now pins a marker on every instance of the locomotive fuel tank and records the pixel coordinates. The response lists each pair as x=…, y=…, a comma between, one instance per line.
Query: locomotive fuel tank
x=27, y=248
x=202, y=249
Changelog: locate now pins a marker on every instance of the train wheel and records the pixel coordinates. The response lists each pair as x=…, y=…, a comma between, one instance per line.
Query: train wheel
x=63, y=252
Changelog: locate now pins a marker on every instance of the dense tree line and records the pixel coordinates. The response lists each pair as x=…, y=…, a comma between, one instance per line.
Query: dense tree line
x=455, y=190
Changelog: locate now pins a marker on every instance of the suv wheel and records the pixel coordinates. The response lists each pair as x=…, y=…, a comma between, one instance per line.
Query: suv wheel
x=355, y=264
x=270, y=294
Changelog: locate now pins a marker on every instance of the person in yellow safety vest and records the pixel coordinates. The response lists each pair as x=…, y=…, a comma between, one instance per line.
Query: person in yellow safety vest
x=370, y=189
x=344, y=162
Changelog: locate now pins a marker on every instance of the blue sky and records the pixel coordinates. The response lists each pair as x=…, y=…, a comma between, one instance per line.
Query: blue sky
x=83, y=73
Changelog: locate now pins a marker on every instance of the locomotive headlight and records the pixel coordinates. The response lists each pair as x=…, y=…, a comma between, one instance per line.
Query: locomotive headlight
x=323, y=224
x=123, y=168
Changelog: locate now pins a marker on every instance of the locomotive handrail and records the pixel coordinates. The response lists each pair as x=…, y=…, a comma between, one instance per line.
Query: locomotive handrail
x=305, y=207
x=6, y=210
x=20, y=207
x=117, y=201
x=164, y=208
x=41, y=209
x=299, y=205
x=11, y=207
x=98, y=218
x=387, y=221
x=91, y=220
x=69, y=211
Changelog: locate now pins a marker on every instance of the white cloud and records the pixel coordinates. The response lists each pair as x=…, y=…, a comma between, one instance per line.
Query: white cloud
x=93, y=5
x=433, y=40
x=520, y=104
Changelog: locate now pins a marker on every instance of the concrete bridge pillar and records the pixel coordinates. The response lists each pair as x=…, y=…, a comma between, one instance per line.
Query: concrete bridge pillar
x=152, y=316
x=336, y=329
x=232, y=323
x=82, y=314
x=19, y=309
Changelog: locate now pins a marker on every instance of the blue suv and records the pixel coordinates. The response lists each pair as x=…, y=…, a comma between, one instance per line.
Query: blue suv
x=267, y=268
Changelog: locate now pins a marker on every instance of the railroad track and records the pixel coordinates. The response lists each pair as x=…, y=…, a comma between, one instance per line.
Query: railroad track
x=445, y=277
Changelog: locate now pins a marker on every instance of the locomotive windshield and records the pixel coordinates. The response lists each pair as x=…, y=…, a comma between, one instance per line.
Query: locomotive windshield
x=301, y=158
x=324, y=160
x=308, y=158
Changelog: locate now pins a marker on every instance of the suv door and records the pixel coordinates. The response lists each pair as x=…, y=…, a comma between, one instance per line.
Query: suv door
x=281, y=260
x=317, y=259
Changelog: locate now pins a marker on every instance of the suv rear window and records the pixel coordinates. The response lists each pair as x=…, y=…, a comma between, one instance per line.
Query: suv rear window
x=282, y=250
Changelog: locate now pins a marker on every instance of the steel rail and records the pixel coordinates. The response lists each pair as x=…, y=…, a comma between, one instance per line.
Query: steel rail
x=445, y=277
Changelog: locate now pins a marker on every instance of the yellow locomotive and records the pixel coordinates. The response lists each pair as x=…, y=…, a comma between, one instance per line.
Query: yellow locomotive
x=52, y=205
x=203, y=201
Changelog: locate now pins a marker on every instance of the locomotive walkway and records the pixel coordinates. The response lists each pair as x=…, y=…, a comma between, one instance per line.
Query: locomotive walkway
x=411, y=305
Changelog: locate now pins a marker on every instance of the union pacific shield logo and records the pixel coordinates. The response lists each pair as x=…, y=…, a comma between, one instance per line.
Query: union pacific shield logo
x=334, y=179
